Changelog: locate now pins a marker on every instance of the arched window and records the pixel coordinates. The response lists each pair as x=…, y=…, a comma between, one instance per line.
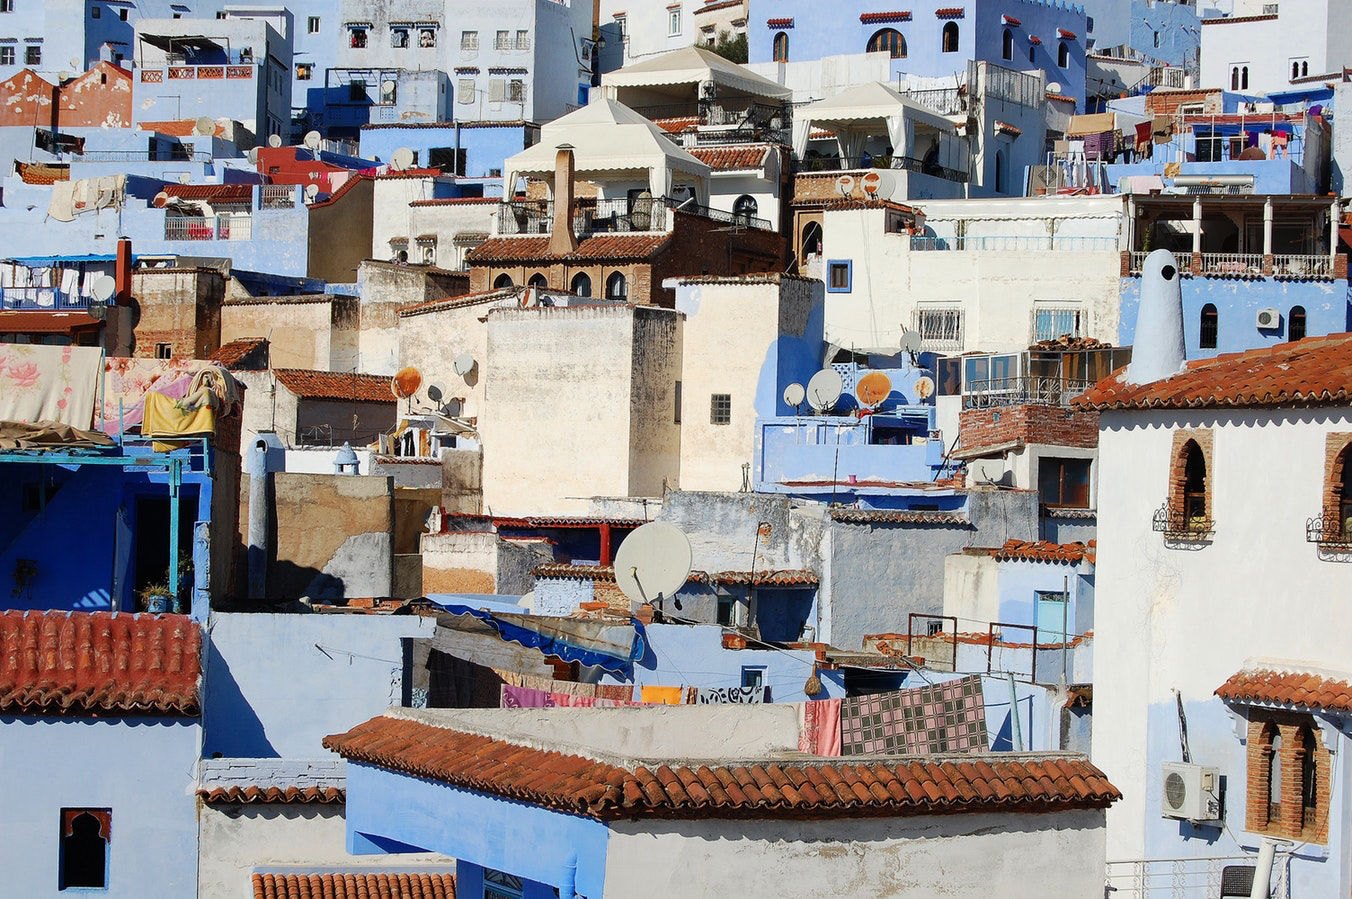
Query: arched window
x=1007, y=47
x=1210, y=327
x=781, y=47
x=811, y=244
x=1194, y=484
x=1295, y=70
x=1063, y=55
x=1157, y=38
x=1244, y=78
x=889, y=41
x=503, y=280
x=84, y=852
x=950, y=44
x=1309, y=776
x=1273, y=750
x=1001, y=171
x=1304, y=69
x=1234, y=78
x=617, y=288
x=582, y=284
x=538, y=280
x=1295, y=323
x=745, y=208
x=1338, y=498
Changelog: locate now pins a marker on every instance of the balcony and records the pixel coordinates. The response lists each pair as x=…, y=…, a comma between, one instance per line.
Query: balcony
x=615, y=216
x=215, y=227
x=277, y=196
x=47, y=299
x=729, y=122
x=1331, y=532
x=996, y=392
x=1014, y=244
x=1182, y=525
x=1288, y=266
x=160, y=74
x=175, y=153
x=894, y=163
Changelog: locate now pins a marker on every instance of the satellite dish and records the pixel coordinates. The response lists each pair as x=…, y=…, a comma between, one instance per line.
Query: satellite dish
x=204, y=125
x=252, y=156
x=405, y=383
x=845, y=184
x=464, y=364
x=401, y=159
x=311, y=191
x=527, y=601
x=312, y=139
x=794, y=394
x=873, y=388
x=878, y=183
x=924, y=387
x=824, y=389
x=161, y=200
x=1053, y=87
x=103, y=288
x=64, y=76
x=185, y=178
x=274, y=140
x=910, y=340
x=434, y=393
x=653, y=562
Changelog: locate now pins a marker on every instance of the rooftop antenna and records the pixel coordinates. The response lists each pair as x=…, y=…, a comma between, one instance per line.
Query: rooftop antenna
x=872, y=389
x=823, y=391
x=653, y=563
x=401, y=160
x=405, y=383
x=794, y=395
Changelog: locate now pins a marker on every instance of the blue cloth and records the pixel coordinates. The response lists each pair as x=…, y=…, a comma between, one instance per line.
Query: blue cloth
x=558, y=646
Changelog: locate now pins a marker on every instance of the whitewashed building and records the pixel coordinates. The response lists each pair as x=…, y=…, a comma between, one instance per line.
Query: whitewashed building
x=1265, y=47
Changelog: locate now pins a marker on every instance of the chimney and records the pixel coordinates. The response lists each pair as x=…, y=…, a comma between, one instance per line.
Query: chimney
x=562, y=242
x=1157, y=350
x=122, y=272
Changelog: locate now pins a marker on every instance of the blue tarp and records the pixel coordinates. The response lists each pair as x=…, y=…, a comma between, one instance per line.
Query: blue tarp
x=44, y=261
x=565, y=638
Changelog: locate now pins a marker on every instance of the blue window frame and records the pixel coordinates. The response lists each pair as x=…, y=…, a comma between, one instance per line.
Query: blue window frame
x=753, y=676
x=839, y=275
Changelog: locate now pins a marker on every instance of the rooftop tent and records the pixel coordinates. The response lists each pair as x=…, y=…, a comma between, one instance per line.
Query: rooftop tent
x=608, y=137
x=866, y=111
x=671, y=74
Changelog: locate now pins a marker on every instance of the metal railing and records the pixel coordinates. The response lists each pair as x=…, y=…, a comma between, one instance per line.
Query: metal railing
x=718, y=215
x=1318, y=266
x=1136, y=264
x=1232, y=264
x=994, y=392
x=525, y=217
x=1178, y=525
x=215, y=227
x=1201, y=876
x=944, y=100
x=1014, y=243
x=277, y=196
x=894, y=163
x=41, y=298
x=164, y=154
x=745, y=113
x=619, y=216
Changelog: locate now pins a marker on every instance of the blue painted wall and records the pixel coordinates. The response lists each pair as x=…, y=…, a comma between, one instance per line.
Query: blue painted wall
x=141, y=768
x=1328, y=310
x=1020, y=582
x=1136, y=24
x=485, y=145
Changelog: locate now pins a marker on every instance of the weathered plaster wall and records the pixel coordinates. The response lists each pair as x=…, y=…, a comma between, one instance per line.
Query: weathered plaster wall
x=180, y=307
x=333, y=536
x=384, y=289
x=431, y=340
x=302, y=331
x=723, y=527
x=479, y=562
x=654, y=435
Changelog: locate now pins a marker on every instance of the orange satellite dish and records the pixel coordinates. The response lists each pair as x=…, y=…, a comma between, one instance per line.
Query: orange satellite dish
x=873, y=388
x=405, y=383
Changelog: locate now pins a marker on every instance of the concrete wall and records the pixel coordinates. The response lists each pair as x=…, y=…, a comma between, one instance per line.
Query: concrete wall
x=142, y=769
x=180, y=307
x=309, y=331
x=960, y=855
x=333, y=536
x=384, y=289
x=723, y=530
x=431, y=341
x=1266, y=46
x=340, y=234
x=479, y=562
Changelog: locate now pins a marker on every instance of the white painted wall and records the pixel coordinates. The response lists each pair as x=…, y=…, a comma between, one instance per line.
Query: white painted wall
x=431, y=342
x=971, y=589
x=817, y=79
x=1309, y=30
x=1055, y=854
x=648, y=26
x=1188, y=619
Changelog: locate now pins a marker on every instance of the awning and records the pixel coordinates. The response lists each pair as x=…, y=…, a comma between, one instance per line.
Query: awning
x=694, y=65
x=168, y=42
x=47, y=261
x=613, y=647
x=47, y=322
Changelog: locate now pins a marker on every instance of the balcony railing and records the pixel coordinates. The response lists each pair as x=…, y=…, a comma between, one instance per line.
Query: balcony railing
x=718, y=215
x=1179, y=525
x=895, y=163
x=1136, y=265
x=1014, y=243
x=526, y=217
x=44, y=298
x=944, y=100
x=613, y=216
x=1220, y=875
x=216, y=227
x=742, y=115
x=277, y=196
x=619, y=216
x=1314, y=267
x=995, y=392
x=1327, y=530
x=163, y=154
x=1232, y=264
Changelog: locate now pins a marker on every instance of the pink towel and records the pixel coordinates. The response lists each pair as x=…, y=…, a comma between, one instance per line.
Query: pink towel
x=525, y=698
x=819, y=732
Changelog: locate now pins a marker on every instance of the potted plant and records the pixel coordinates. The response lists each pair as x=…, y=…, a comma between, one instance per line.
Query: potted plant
x=157, y=598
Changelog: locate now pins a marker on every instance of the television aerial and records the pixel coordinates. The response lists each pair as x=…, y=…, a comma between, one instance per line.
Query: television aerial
x=401, y=159
x=873, y=388
x=405, y=383
x=464, y=364
x=103, y=288
x=794, y=394
x=824, y=389
x=274, y=140
x=204, y=125
x=312, y=140
x=653, y=562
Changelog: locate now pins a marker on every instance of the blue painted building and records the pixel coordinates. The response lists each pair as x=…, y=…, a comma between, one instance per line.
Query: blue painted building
x=1162, y=30
x=930, y=39
x=471, y=149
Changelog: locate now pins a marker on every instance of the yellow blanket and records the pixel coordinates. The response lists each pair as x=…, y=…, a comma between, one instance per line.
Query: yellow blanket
x=168, y=417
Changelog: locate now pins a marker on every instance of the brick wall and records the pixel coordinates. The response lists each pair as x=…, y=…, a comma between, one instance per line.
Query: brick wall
x=1178, y=472
x=1337, y=456
x=1051, y=425
x=1288, y=818
x=1167, y=102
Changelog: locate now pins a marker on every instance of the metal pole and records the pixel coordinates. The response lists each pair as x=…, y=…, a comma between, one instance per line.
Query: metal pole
x=1262, y=871
x=1065, y=629
x=1014, y=711
x=175, y=477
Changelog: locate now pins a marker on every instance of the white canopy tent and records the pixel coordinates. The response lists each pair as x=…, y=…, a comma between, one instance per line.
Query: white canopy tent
x=872, y=110
x=608, y=138
x=689, y=66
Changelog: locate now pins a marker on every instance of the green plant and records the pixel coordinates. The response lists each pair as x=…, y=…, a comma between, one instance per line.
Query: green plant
x=731, y=47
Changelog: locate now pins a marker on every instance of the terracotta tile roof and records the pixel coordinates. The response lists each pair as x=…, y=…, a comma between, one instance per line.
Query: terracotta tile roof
x=1063, y=33
x=332, y=385
x=877, y=18
x=711, y=5
x=46, y=322
x=576, y=572
x=1038, y=551
x=1034, y=39
x=176, y=128
x=567, y=522
x=1007, y=128
x=355, y=885
x=99, y=664
x=852, y=203
x=1316, y=371
x=232, y=354
x=1059, y=97
x=458, y=201
x=724, y=159
x=1010, y=20
x=898, y=516
x=248, y=795
x=1305, y=690
x=812, y=789
x=41, y=173
x=601, y=246
x=469, y=299
x=783, y=578
x=342, y=190
x=779, y=23
x=678, y=124
x=949, y=12
x=220, y=193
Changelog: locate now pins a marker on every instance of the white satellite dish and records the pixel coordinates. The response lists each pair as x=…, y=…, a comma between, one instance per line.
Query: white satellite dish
x=845, y=184
x=653, y=562
x=252, y=156
x=311, y=192
x=910, y=340
x=313, y=139
x=204, y=125
x=401, y=159
x=1053, y=87
x=794, y=394
x=388, y=85
x=103, y=288
x=274, y=140
x=464, y=364
x=824, y=389
x=185, y=178
x=877, y=184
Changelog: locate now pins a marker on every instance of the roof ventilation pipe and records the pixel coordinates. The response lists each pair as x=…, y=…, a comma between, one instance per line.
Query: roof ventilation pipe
x=1157, y=352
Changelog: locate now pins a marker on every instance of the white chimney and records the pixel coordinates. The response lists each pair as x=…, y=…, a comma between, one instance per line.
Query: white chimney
x=1157, y=351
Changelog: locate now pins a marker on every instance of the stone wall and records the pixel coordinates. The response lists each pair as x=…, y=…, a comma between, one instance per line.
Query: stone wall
x=333, y=536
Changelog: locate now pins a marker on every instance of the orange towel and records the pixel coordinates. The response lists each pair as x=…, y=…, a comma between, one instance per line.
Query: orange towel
x=662, y=695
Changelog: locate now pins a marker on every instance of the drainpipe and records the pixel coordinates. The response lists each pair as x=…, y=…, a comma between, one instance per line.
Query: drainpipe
x=568, y=889
x=259, y=476
x=1262, y=871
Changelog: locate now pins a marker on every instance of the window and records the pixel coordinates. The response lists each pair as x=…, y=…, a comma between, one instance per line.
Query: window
x=720, y=408
x=86, y=834
x=516, y=91
x=1274, y=775
x=503, y=41
x=674, y=21
x=1063, y=55
x=32, y=55
x=523, y=40
x=1209, y=327
x=1234, y=78
x=622, y=27
x=1308, y=756
x=753, y=676
x=889, y=41
x=6, y=5
x=617, y=287
x=356, y=91
x=95, y=12
x=1089, y=24
x=357, y=38
x=676, y=416
x=1053, y=616
x=1001, y=171
x=1288, y=769
x=303, y=70
x=503, y=280
x=1063, y=483
x=469, y=40
x=497, y=90
x=839, y=275
x=122, y=13
x=1244, y=77
x=939, y=328
x=581, y=284
x=464, y=90
x=1157, y=39
x=1051, y=322
x=538, y=281
x=399, y=38
x=950, y=37
x=448, y=159
x=781, y=47
x=164, y=351
x=1032, y=53
x=6, y=56
x=427, y=37
x=1338, y=490
x=501, y=885
x=312, y=24
x=1007, y=46
x=1295, y=323
x=745, y=208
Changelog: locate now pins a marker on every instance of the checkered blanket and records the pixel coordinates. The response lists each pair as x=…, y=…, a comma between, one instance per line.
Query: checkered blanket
x=947, y=717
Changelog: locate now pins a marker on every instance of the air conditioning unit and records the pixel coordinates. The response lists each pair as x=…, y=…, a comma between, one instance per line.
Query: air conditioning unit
x=1268, y=319
x=1190, y=792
